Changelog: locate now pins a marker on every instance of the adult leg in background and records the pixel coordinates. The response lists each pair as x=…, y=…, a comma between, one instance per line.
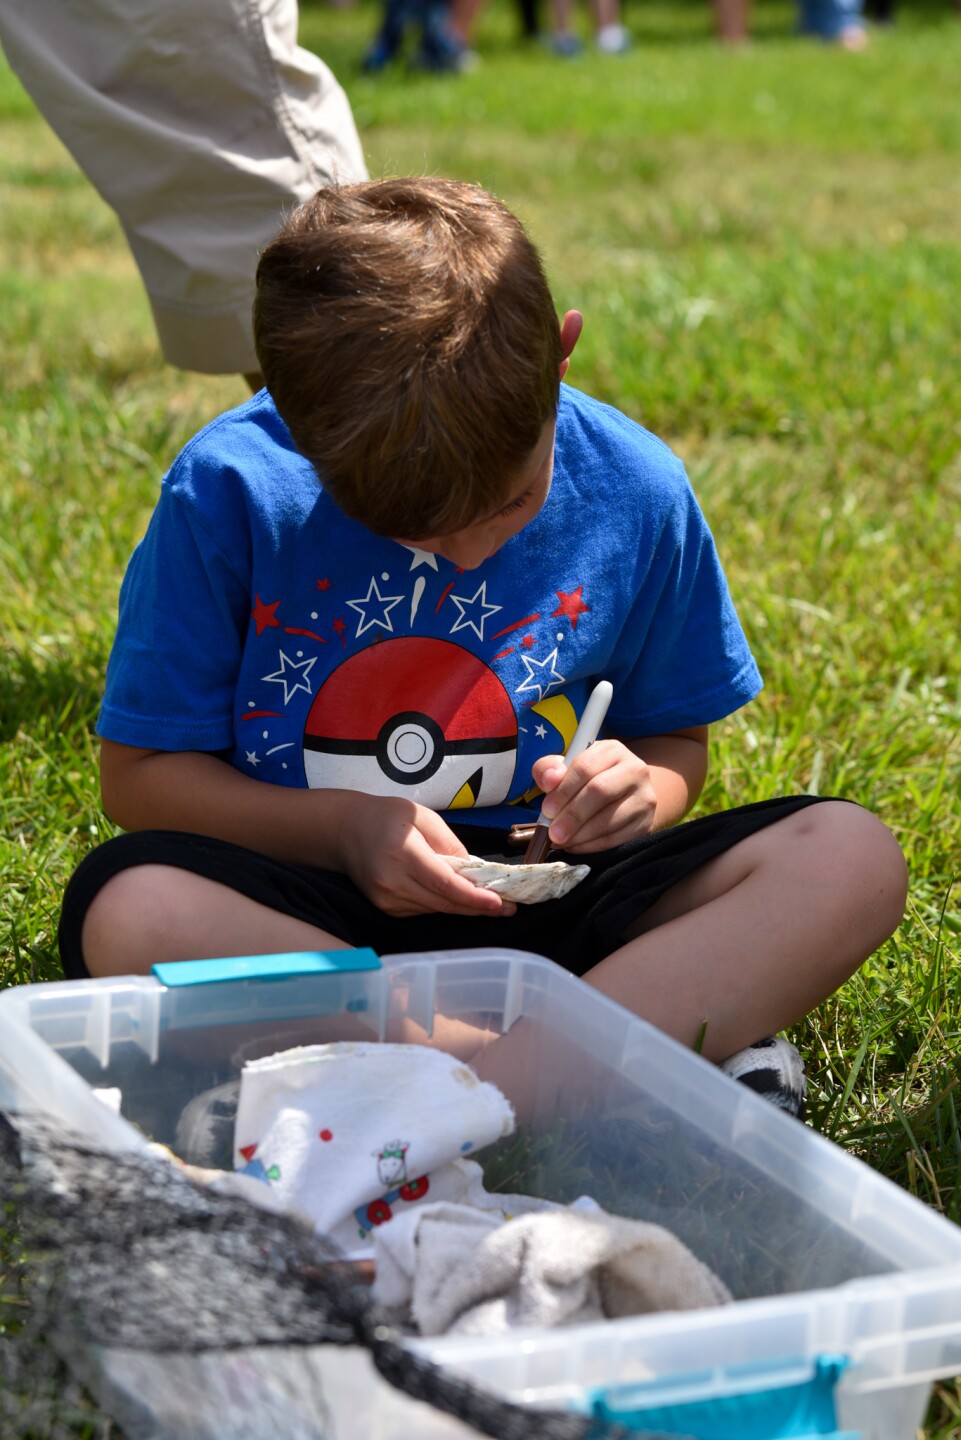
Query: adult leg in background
x=199, y=122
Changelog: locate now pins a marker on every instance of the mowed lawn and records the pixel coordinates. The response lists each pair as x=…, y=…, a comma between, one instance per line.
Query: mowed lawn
x=765, y=246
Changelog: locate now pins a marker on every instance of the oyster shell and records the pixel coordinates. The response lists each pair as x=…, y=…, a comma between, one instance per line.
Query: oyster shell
x=525, y=884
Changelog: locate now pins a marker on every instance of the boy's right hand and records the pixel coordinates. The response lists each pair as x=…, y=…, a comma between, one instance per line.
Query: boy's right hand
x=391, y=849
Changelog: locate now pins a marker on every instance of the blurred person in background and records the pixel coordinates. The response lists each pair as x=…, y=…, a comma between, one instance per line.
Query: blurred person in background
x=610, y=36
x=837, y=21
x=443, y=29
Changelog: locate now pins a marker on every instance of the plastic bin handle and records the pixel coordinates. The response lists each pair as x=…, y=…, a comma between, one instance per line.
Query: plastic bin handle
x=752, y=1405
x=265, y=967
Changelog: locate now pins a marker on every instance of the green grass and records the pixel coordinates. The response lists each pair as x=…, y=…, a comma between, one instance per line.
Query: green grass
x=765, y=245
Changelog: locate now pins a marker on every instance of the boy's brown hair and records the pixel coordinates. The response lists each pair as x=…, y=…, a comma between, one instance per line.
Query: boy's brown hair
x=407, y=334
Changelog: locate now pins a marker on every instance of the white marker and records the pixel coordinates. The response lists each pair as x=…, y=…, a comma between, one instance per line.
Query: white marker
x=588, y=728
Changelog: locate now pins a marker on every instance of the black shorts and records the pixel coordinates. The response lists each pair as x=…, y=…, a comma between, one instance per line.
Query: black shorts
x=577, y=931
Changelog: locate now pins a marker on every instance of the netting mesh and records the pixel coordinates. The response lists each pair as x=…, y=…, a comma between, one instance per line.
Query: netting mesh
x=104, y=1252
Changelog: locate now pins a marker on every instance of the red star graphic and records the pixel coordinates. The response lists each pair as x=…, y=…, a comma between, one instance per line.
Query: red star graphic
x=340, y=626
x=571, y=605
x=323, y=584
x=264, y=615
x=527, y=641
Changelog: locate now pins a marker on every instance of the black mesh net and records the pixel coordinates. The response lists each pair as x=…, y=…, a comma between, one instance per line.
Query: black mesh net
x=105, y=1254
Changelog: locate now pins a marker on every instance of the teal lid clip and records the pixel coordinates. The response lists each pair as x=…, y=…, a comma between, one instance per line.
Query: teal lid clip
x=288, y=966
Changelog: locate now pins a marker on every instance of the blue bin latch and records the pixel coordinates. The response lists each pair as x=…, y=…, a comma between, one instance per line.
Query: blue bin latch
x=755, y=1408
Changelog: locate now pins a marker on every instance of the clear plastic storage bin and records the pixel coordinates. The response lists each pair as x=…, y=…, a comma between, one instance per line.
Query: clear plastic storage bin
x=847, y=1291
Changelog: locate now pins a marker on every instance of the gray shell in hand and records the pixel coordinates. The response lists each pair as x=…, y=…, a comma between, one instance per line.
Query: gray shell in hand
x=525, y=884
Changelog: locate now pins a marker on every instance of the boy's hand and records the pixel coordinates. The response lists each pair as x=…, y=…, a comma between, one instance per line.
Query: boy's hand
x=391, y=850
x=602, y=799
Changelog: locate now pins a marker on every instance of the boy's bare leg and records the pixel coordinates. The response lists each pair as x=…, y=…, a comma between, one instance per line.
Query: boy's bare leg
x=747, y=944
x=756, y=938
x=154, y=914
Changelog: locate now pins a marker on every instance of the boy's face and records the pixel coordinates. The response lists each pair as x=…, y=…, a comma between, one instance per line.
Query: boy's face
x=476, y=543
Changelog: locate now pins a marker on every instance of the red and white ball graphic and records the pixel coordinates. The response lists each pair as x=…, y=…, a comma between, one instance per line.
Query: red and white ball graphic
x=420, y=718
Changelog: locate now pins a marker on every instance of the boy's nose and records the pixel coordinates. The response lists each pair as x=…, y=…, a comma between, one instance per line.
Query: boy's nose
x=468, y=551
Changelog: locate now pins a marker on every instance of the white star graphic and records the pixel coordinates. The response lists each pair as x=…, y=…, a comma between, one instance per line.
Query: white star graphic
x=536, y=676
x=540, y=732
x=421, y=557
x=302, y=668
x=477, y=601
x=371, y=600
x=252, y=757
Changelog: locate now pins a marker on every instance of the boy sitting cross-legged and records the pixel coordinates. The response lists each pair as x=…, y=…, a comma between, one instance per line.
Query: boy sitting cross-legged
x=365, y=617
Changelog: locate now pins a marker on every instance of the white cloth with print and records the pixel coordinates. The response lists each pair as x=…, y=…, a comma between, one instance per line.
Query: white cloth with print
x=351, y=1134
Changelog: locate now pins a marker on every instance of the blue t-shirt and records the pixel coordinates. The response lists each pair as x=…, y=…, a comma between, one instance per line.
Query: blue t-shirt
x=260, y=622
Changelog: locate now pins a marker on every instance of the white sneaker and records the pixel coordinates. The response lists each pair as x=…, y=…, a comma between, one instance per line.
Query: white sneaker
x=613, y=39
x=773, y=1069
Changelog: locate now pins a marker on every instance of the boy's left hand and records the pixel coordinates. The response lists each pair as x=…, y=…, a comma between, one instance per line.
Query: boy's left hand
x=602, y=799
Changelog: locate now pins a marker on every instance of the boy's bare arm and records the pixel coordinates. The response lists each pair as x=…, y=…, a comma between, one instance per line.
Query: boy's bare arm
x=620, y=789
x=389, y=847
x=678, y=765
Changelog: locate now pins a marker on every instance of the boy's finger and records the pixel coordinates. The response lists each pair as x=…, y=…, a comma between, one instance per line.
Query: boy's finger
x=460, y=896
x=600, y=809
x=443, y=907
x=477, y=904
x=574, y=786
x=613, y=825
x=423, y=896
x=549, y=771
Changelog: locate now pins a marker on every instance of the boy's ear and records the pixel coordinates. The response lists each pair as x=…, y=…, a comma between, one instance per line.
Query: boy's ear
x=571, y=327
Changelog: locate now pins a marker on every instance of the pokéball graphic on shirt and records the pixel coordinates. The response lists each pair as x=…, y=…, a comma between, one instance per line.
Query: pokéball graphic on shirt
x=420, y=718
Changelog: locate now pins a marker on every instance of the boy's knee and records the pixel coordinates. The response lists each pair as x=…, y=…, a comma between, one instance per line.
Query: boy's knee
x=128, y=916
x=870, y=858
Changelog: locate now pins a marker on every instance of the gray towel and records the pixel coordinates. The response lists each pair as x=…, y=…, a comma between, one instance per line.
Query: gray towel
x=450, y=1269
